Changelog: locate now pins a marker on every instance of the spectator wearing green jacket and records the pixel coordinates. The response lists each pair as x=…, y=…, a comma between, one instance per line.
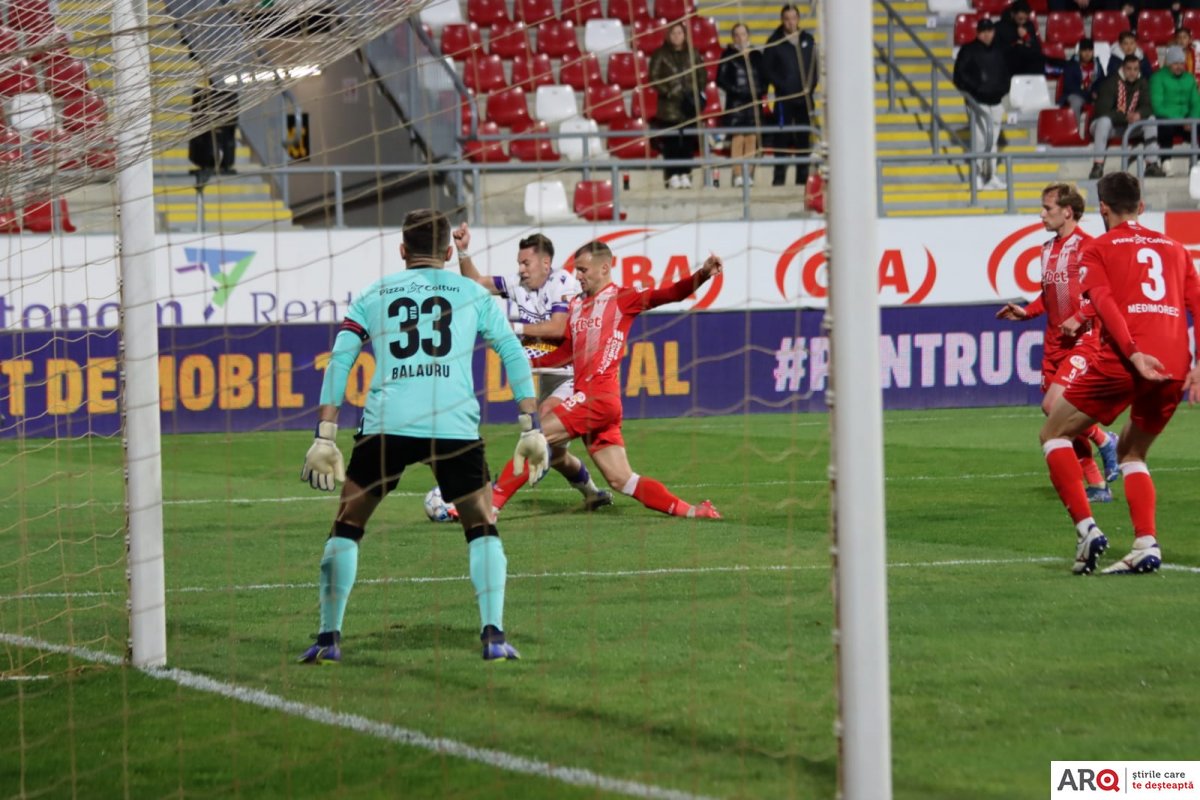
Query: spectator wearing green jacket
x=1173, y=95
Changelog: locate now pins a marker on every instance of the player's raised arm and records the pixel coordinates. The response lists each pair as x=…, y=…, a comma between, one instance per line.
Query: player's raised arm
x=462, y=241
x=684, y=287
x=324, y=467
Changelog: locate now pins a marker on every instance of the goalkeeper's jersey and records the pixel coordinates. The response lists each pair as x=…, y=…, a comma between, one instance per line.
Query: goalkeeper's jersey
x=422, y=324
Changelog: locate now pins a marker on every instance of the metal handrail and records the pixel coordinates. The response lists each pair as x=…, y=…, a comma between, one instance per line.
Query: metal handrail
x=1132, y=128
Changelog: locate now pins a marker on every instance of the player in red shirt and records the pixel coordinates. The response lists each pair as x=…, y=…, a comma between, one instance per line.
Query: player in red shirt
x=1069, y=325
x=598, y=323
x=1142, y=285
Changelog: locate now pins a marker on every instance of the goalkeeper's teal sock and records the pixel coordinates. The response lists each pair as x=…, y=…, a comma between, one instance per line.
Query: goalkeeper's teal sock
x=339, y=566
x=489, y=571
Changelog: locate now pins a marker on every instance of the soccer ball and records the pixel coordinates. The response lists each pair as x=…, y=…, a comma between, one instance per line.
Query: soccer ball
x=436, y=508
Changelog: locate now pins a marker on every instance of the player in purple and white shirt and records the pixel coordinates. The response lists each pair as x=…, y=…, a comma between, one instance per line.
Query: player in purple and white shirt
x=537, y=297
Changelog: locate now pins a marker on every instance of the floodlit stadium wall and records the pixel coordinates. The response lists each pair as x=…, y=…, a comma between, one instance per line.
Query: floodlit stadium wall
x=247, y=321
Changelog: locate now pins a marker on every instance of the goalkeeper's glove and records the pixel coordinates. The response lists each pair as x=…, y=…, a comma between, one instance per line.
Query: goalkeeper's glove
x=531, y=448
x=323, y=465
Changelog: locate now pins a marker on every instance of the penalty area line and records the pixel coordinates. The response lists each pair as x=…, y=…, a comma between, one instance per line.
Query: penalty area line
x=509, y=762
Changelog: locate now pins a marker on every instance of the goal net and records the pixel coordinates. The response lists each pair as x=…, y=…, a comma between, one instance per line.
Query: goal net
x=661, y=656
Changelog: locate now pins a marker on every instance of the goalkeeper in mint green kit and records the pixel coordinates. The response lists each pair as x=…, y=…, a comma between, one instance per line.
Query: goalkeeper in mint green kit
x=422, y=323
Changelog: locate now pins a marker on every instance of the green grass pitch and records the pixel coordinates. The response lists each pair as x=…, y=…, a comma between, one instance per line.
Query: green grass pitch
x=686, y=655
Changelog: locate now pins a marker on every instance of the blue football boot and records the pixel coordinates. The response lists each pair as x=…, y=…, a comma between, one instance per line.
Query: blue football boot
x=1108, y=454
x=495, y=648
x=1099, y=494
x=326, y=650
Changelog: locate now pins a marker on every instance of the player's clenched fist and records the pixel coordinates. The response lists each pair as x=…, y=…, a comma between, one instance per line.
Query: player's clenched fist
x=462, y=237
x=323, y=465
x=532, y=449
x=712, y=266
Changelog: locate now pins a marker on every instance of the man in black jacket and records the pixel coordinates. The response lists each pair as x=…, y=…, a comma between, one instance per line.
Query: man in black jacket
x=1017, y=36
x=790, y=65
x=981, y=72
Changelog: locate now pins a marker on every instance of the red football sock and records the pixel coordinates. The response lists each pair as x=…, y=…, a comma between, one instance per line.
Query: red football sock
x=508, y=484
x=1097, y=435
x=1140, y=494
x=1083, y=452
x=1067, y=478
x=654, y=495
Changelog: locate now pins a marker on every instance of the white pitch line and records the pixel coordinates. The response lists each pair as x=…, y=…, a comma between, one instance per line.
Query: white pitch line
x=17, y=678
x=510, y=762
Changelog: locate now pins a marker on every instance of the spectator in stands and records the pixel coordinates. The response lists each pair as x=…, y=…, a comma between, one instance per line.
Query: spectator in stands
x=1017, y=36
x=677, y=74
x=740, y=77
x=981, y=72
x=214, y=113
x=1124, y=99
x=789, y=63
x=1127, y=45
x=1173, y=95
x=1190, y=48
x=1084, y=7
x=1081, y=79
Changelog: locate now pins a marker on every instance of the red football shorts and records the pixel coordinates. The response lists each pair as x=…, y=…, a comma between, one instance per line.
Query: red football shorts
x=1107, y=385
x=1063, y=368
x=594, y=418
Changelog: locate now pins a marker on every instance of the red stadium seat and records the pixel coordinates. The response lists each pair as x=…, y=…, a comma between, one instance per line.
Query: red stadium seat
x=1107, y=26
x=10, y=146
x=990, y=8
x=39, y=217
x=486, y=13
x=509, y=108
x=712, y=104
x=674, y=10
x=10, y=41
x=712, y=63
x=484, y=74
x=580, y=11
x=628, y=70
x=478, y=152
x=1191, y=20
x=84, y=114
x=649, y=34
x=8, y=218
x=1156, y=26
x=16, y=78
x=814, y=193
x=628, y=10
x=533, y=12
x=31, y=17
x=644, y=103
x=604, y=103
x=1039, y=6
x=509, y=40
x=1054, y=50
x=1064, y=27
x=459, y=41
x=637, y=146
x=594, y=200
x=704, y=34
x=102, y=157
x=46, y=143
x=1058, y=127
x=533, y=149
x=582, y=72
x=556, y=38
x=532, y=71
x=964, y=29
x=67, y=78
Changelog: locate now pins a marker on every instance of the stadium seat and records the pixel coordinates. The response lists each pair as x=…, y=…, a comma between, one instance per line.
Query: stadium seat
x=486, y=13
x=10, y=41
x=964, y=29
x=581, y=12
x=509, y=40
x=477, y=152
x=594, y=201
x=31, y=17
x=532, y=71
x=674, y=10
x=1107, y=26
x=712, y=63
x=555, y=103
x=44, y=144
x=1191, y=20
x=39, y=217
x=1029, y=94
x=17, y=78
x=1058, y=127
x=628, y=70
x=712, y=103
x=814, y=193
x=533, y=149
x=636, y=146
x=460, y=40
x=509, y=108
x=556, y=38
x=644, y=103
x=603, y=36
x=440, y=13
x=31, y=111
x=604, y=103
x=84, y=114
x=581, y=72
x=572, y=147
x=1039, y=6
x=949, y=8
x=484, y=74
x=991, y=8
x=1064, y=27
x=1156, y=26
x=628, y=10
x=10, y=145
x=546, y=201
x=704, y=34
x=103, y=156
x=649, y=34
x=534, y=12
x=9, y=223
x=1054, y=50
